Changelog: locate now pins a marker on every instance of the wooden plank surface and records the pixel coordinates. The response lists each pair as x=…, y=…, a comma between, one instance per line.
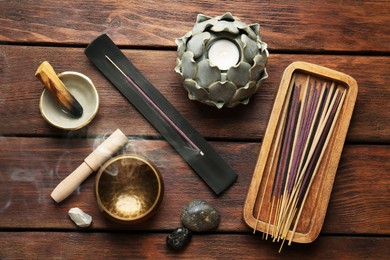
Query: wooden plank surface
x=298, y=25
x=88, y=245
x=32, y=167
x=349, y=36
x=21, y=113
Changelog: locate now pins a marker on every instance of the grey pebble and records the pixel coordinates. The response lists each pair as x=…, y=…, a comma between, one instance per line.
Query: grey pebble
x=200, y=216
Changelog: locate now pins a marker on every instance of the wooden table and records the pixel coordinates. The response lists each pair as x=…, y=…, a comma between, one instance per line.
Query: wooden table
x=349, y=36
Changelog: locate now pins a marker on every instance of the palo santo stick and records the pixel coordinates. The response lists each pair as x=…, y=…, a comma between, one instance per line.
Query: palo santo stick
x=46, y=74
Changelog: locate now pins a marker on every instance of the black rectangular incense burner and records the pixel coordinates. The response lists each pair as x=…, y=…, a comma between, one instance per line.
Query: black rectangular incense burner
x=194, y=149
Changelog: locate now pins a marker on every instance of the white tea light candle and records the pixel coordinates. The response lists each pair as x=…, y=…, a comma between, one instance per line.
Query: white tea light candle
x=224, y=54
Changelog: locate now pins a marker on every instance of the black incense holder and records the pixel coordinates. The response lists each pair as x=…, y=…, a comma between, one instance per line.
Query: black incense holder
x=203, y=159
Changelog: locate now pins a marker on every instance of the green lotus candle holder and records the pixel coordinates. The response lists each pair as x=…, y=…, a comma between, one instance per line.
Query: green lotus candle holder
x=222, y=60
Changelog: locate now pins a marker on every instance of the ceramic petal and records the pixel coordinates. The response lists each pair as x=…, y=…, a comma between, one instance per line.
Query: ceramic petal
x=201, y=18
x=178, y=67
x=250, y=48
x=239, y=24
x=259, y=64
x=239, y=74
x=207, y=74
x=195, y=92
x=197, y=44
x=221, y=92
x=255, y=28
x=249, y=30
x=243, y=94
x=263, y=76
x=188, y=65
x=181, y=43
x=262, y=46
x=227, y=17
x=202, y=26
x=224, y=26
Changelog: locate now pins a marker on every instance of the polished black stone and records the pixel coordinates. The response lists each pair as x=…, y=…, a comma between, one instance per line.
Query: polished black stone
x=179, y=238
x=200, y=216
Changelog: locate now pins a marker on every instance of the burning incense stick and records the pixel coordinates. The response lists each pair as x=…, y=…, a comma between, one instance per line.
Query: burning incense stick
x=133, y=83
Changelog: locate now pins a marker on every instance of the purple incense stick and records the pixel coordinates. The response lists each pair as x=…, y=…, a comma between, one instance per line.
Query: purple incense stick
x=318, y=148
x=132, y=82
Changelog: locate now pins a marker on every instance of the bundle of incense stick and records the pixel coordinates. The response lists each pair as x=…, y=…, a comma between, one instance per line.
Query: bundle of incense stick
x=304, y=129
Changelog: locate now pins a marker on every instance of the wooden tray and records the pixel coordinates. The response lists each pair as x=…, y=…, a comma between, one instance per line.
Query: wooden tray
x=314, y=210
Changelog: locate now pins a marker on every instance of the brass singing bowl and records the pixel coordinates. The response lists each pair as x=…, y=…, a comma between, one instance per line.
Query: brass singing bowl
x=129, y=188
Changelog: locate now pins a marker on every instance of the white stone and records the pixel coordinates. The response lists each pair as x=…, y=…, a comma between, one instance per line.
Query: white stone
x=79, y=217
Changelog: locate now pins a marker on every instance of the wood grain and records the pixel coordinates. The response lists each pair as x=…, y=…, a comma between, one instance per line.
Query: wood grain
x=86, y=245
x=21, y=114
x=300, y=25
x=32, y=167
x=349, y=36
